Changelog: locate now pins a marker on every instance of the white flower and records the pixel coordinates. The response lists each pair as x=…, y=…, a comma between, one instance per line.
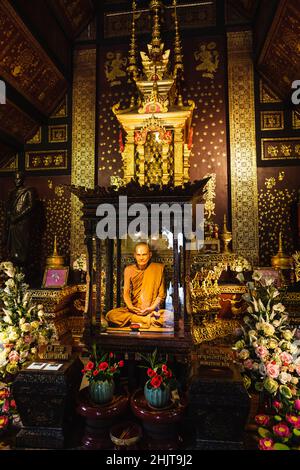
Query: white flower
x=288, y=335
x=257, y=275
x=7, y=319
x=8, y=268
x=13, y=336
x=40, y=313
x=25, y=327
x=284, y=377
x=268, y=329
x=40, y=307
x=10, y=283
x=244, y=354
x=279, y=307
x=33, y=350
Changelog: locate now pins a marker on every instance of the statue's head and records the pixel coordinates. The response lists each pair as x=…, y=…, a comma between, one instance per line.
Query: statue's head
x=19, y=179
x=142, y=254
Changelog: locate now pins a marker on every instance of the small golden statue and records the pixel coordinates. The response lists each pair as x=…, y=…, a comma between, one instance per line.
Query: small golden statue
x=226, y=237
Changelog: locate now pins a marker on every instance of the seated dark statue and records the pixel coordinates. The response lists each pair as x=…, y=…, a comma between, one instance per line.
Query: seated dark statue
x=19, y=221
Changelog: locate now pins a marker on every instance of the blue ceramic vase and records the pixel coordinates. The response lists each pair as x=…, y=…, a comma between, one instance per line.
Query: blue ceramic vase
x=102, y=392
x=157, y=397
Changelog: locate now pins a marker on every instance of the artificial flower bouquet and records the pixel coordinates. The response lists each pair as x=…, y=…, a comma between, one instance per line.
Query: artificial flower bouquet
x=160, y=375
x=23, y=327
x=102, y=367
x=7, y=406
x=280, y=430
x=268, y=352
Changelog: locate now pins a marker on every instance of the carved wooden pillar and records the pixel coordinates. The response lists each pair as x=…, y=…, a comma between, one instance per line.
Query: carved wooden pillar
x=128, y=155
x=178, y=157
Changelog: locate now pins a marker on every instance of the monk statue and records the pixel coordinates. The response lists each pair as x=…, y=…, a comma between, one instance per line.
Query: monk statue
x=19, y=211
x=144, y=293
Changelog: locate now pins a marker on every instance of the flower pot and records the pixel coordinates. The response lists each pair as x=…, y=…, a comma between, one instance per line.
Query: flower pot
x=157, y=397
x=102, y=392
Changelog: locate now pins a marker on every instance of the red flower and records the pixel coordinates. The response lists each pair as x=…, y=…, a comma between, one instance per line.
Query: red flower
x=121, y=364
x=168, y=374
x=151, y=372
x=156, y=381
x=4, y=393
x=164, y=368
x=262, y=420
x=90, y=365
x=83, y=371
x=3, y=421
x=96, y=372
x=111, y=354
x=13, y=403
x=103, y=366
x=112, y=369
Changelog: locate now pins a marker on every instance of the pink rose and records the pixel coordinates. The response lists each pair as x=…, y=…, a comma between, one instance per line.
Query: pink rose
x=13, y=356
x=248, y=364
x=27, y=339
x=272, y=370
x=262, y=420
x=294, y=420
x=266, y=444
x=261, y=351
x=286, y=357
x=297, y=404
x=281, y=430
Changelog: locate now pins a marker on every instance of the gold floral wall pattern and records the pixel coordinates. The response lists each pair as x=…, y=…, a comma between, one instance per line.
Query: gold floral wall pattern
x=276, y=206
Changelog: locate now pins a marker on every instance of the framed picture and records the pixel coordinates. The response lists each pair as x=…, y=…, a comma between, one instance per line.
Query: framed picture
x=55, y=278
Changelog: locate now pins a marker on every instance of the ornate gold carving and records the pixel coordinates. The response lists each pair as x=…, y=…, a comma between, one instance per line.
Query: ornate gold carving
x=62, y=110
x=266, y=94
x=209, y=196
x=280, y=148
x=271, y=120
x=58, y=133
x=24, y=63
x=46, y=160
x=295, y=120
x=274, y=215
x=212, y=330
x=243, y=146
x=205, y=293
x=209, y=59
x=37, y=138
x=296, y=258
x=83, y=138
x=115, y=68
x=228, y=260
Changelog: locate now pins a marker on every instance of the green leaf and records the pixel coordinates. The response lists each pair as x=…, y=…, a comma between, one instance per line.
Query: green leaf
x=263, y=432
x=296, y=432
x=279, y=446
x=277, y=418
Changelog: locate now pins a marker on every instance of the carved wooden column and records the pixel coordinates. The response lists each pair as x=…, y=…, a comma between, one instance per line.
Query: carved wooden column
x=243, y=167
x=178, y=157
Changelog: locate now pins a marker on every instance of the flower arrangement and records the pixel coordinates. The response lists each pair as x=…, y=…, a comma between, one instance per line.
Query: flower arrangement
x=23, y=328
x=7, y=406
x=99, y=369
x=160, y=375
x=268, y=353
x=281, y=429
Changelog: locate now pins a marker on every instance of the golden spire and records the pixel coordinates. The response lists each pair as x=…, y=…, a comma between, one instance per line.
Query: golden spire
x=156, y=44
x=178, y=63
x=132, y=62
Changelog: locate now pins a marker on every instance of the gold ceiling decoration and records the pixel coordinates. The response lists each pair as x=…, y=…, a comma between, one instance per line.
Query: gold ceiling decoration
x=157, y=124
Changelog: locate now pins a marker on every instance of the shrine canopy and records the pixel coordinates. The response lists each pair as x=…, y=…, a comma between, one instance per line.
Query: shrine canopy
x=104, y=255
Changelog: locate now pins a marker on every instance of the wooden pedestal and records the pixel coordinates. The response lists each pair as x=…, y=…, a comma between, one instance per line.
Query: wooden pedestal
x=99, y=419
x=46, y=403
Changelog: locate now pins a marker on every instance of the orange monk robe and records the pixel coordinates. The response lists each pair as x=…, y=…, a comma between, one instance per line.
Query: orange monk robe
x=146, y=286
